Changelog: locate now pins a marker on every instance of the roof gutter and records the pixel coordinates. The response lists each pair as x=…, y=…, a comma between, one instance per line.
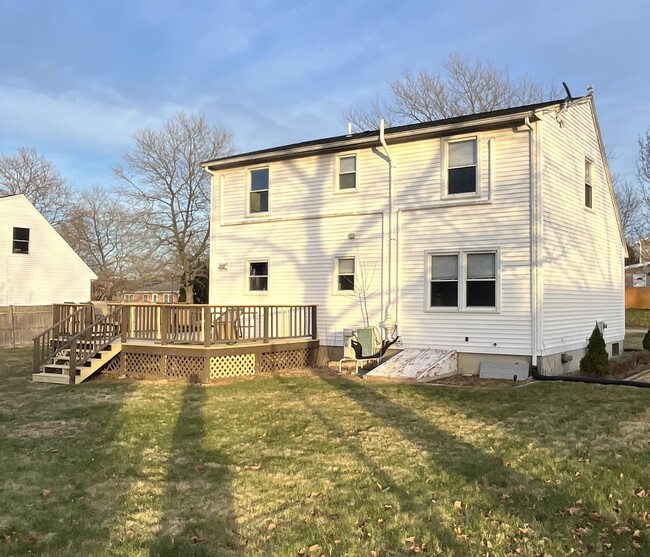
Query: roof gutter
x=399, y=136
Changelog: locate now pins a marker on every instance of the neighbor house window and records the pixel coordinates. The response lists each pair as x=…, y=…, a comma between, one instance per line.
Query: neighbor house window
x=461, y=167
x=345, y=274
x=444, y=281
x=463, y=280
x=128, y=297
x=588, y=187
x=167, y=299
x=21, y=240
x=258, y=276
x=145, y=297
x=154, y=297
x=259, y=193
x=347, y=179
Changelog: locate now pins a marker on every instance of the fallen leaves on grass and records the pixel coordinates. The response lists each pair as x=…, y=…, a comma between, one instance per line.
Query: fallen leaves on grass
x=271, y=526
x=45, y=493
x=641, y=493
x=196, y=538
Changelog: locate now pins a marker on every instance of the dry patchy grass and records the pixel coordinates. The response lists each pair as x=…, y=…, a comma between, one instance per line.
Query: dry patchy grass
x=315, y=464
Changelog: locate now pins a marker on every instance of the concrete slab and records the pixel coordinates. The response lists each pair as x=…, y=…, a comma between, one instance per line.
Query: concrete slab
x=503, y=370
x=416, y=364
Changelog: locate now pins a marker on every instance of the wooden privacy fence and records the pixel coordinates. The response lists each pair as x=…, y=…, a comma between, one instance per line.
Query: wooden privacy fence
x=637, y=297
x=20, y=324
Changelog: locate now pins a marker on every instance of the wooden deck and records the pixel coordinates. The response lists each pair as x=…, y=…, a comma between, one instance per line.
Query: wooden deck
x=191, y=342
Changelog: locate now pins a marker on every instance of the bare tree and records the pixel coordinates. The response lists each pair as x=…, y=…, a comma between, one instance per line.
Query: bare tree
x=465, y=86
x=643, y=162
x=29, y=173
x=112, y=240
x=163, y=179
x=630, y=208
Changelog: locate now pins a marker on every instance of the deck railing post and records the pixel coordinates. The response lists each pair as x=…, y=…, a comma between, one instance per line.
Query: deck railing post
x=314, y=323
x=72, y=363
x=126, y=319
x=165, y=312
x=207, y=326
x=37, y=354
x=265, y=331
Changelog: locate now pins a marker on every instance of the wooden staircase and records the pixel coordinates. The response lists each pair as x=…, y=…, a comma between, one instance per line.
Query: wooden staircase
x=76, y=347
x=58, y=371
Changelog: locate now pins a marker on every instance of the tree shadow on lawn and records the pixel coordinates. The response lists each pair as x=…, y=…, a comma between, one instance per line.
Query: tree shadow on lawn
x=531, y=501
x=377, y=479
x=196, y=513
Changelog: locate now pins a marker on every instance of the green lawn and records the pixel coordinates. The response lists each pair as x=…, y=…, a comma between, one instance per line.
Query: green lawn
x=292, y=465
x=637, y=318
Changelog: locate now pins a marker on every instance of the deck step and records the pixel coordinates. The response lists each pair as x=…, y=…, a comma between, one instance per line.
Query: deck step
x=50, y=378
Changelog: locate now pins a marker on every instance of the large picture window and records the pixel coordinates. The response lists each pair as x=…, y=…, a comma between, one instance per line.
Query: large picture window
x=259, y=192
x=462, y=167
x=463, y=280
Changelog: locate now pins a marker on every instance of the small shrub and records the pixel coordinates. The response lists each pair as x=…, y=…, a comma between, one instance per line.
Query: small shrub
x=596, y=360
x=646, y=341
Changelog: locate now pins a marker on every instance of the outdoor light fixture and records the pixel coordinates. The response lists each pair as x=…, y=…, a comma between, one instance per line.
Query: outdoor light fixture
x=351, y=236
x=223, y=266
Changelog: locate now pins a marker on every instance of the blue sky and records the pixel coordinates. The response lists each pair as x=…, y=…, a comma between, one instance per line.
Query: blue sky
x=79, y=77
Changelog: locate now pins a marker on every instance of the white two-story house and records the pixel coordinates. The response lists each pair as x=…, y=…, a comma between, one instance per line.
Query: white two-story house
x=495, y=235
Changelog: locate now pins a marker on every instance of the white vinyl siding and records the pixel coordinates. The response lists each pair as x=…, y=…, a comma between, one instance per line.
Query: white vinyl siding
x=51, y=272
x=583, y=265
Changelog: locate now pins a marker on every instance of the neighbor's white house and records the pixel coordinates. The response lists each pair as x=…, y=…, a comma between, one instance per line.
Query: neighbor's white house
x=495, y=235
x=37, y=266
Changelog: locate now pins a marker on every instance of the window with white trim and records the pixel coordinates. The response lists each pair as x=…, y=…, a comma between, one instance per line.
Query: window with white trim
x=462, y=167
x=167, y=299
x=345, y=274
x=463, y=280
x=347, y=172
x=258, y=276
x=20, y=240
x=259, y=191
x=588, y=186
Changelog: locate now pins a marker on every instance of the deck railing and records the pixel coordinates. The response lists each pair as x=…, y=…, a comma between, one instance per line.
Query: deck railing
x=208, y=325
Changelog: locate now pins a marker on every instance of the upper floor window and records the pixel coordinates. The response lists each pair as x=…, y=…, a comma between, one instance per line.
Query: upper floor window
x=167, y=299
x=345, y=274
x=347, y=172
x=21, y=240
x=588, y=186
x=462, y=167
x=259, y=192
x=258, y=276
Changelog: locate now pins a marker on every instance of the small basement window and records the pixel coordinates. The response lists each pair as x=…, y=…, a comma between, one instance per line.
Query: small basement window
x=21, y=240
x=615, y=349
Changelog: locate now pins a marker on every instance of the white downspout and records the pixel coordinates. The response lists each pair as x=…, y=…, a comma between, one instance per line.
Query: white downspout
x=390, y=324
x=534, y=237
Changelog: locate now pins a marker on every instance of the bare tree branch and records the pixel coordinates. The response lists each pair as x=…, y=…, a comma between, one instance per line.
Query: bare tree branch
x=29, y=173
x=163, y=179
x=465, y=86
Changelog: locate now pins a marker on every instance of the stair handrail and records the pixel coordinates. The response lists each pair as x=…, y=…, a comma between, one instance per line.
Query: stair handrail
x=44, y=348
x=83, y=354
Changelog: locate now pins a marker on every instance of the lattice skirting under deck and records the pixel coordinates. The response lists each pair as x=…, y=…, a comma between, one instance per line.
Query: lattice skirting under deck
x=210, y=367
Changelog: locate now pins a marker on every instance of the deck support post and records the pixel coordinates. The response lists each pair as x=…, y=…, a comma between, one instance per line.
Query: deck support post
x=37, y=354
x=165, y=312
x=265, y=332
x=314, y=323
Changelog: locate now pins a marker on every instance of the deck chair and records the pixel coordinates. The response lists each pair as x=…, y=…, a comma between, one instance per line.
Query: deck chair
x=367, y=346
x=227, y=326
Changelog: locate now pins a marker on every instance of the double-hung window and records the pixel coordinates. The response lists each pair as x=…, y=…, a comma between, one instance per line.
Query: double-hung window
x=588, y=186
x=258, y=276
x=345, y=274
x=463, y=280
x=259, y=191
x=20, y=240
x=347, y=172
x=462, y=167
